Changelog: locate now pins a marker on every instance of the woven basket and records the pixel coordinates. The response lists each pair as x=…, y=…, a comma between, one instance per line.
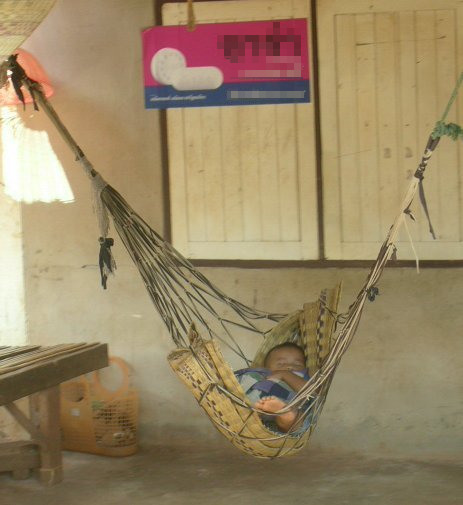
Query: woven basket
x=18, y=19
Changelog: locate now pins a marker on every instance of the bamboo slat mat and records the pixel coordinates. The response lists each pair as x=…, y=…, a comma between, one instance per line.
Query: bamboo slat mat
x=6, y=352
x=15, y=358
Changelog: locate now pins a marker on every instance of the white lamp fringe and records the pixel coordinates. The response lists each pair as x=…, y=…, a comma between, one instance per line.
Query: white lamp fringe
x=31, y=169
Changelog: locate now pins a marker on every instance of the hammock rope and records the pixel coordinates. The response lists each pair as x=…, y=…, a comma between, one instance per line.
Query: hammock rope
x=190, y=305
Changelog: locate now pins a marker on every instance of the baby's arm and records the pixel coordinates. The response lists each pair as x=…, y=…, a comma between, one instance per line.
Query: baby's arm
x=294, y=381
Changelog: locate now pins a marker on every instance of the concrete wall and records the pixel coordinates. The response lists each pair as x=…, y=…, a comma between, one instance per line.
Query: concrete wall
x=399, y=387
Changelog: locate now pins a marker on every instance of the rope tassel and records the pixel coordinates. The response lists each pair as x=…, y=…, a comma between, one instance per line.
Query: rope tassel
x=106, y=259
x=425, y=208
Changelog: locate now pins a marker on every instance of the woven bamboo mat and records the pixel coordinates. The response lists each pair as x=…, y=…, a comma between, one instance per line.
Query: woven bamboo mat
x=15, y=358
x=18, y=19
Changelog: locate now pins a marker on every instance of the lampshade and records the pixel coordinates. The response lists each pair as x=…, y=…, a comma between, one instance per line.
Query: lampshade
x=34, y=71
x=31, y=170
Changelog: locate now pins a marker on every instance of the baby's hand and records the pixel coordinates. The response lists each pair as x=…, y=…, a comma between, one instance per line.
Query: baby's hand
x=278, y=375
x=293, y=380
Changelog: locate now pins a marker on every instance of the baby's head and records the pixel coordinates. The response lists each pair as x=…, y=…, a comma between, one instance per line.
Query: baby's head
x=286, y=356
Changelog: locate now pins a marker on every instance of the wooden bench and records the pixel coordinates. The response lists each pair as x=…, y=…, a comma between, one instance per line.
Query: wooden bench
x=36, y=372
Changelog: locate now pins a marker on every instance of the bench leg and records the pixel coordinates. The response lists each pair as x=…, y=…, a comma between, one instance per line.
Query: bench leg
x=45, y=414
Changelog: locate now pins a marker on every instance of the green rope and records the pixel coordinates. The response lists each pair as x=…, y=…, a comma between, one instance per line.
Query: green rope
x=451, y=130
x=453, y=97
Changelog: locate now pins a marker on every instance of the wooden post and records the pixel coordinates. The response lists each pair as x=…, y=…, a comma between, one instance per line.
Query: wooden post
x=45, y=414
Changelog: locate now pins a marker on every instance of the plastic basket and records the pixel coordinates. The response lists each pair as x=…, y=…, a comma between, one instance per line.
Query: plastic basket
x=97, y=420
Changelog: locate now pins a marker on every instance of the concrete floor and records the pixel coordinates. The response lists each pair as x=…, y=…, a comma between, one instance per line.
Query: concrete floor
x=191, y=475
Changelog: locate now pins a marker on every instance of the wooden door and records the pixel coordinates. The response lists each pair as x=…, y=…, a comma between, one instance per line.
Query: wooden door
x=243, y=178
x=387, y=70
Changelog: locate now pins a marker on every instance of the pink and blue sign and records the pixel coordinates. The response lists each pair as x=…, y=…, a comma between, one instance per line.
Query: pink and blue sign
x=264, y=62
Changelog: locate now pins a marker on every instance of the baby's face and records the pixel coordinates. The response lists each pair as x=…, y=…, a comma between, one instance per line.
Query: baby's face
x=285, y=358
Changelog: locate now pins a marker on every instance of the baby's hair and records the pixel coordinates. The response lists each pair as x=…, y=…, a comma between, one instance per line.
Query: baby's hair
x=284, y=345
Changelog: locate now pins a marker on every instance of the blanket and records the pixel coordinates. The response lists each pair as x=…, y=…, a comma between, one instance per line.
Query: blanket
x=257, y=385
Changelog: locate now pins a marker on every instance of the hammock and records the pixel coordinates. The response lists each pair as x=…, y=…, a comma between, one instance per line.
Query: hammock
x=191, y=306
x=199, y=316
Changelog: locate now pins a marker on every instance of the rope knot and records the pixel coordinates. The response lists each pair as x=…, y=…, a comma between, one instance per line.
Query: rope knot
x=419, y=174
x=451, y=130
x=372, y=292
x=408, y=212
x=18, y=77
